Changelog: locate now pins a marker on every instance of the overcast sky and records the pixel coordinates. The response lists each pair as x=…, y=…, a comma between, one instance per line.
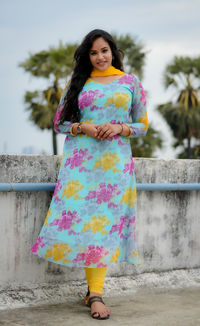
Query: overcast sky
x=166, y=28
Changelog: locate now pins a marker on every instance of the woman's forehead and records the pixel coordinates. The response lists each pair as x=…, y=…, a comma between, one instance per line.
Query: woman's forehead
x=99, y=43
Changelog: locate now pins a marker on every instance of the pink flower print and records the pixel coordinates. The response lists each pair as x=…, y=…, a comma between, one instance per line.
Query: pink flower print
x=114, y=137
x=57, y=115
x=104, y=193
x=79, y=257
x=101, y=265
x=127, y=79
x=124, y=223
x=77, y=158
x=66, y=221
x=143, y=95
x=38, y=244
x=129, y=167
x=94, y=107
x=87, y=98
x=56, y=190
x=57, y=187
x=92, y=255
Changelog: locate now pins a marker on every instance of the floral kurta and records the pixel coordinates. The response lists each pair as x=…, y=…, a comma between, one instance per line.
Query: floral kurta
x=92, y=215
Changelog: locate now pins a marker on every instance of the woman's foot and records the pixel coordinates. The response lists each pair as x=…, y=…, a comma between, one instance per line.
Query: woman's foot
x=98, y=309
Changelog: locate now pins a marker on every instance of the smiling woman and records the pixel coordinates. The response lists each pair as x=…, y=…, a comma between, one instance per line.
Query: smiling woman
x=92, y=215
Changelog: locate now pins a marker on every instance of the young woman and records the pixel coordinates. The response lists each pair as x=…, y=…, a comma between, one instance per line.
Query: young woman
x=91, y=219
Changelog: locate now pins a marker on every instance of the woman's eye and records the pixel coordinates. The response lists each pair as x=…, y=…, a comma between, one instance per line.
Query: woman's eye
x=105, y=50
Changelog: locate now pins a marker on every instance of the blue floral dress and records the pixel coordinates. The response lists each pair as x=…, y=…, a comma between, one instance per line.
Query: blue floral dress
x=92, y=215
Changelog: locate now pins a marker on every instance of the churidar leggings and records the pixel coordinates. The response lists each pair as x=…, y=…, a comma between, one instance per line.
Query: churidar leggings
x=95, y=278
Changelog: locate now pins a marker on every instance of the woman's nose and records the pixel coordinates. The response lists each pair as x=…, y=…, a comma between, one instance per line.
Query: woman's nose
x=100, y=56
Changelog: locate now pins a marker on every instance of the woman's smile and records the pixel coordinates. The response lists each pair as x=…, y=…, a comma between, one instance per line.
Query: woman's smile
x=100, y=54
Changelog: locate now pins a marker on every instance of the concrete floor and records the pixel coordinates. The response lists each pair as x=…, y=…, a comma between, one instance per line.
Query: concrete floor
x=174, y=307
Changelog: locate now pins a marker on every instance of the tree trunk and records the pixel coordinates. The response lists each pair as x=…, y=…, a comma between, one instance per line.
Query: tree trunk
x=54, y=139
x=189, y=148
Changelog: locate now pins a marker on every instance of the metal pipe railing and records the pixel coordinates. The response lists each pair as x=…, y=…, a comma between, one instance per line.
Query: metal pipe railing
x=6, y=187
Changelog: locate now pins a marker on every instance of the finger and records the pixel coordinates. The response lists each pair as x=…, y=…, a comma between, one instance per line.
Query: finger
x=107, y=134
x=104, y=132
x=101, y=132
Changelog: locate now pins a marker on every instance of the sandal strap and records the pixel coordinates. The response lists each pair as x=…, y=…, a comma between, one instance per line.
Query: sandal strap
x=88, y=292
x=95, y=299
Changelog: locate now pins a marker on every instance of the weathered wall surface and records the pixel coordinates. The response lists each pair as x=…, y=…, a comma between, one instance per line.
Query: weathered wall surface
x=168, y=222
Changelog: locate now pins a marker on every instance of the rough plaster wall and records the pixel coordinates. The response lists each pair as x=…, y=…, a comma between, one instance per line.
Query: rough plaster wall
x=167, y=222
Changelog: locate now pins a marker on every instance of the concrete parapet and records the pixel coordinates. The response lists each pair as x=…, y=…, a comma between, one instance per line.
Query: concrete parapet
x=167, y=224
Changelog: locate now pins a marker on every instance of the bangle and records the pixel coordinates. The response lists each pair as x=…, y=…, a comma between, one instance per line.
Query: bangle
x=122, y=129
x=74, y=135
x=129, y=131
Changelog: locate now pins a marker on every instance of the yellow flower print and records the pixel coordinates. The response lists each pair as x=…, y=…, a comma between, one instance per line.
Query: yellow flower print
x=115, y=256
x=129, y=197
x=145, y=121
x=61, y=160
x=58, y=252
x=120, y=99
x=48, y=215
x=87, y=121
x=97, y=224
x=136, y=255
x=71, y=189
x=108, y=161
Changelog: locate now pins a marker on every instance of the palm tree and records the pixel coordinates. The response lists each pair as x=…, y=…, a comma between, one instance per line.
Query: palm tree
x=145, y=146
x=183, y=115
x=134, y=53
x=54, y=64
x=42, y=106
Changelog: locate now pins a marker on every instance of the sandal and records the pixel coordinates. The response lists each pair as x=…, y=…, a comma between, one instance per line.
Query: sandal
x=90, y=302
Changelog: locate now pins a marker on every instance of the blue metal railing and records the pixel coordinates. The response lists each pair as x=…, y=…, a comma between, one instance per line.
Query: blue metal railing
x=140, y=186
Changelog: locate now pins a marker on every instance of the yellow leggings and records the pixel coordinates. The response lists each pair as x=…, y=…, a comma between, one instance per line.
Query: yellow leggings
x=95, y=278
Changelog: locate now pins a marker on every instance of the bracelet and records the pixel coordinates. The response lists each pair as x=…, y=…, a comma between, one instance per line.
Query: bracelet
x=122, y=129
x=129, y=132
x=74, y=135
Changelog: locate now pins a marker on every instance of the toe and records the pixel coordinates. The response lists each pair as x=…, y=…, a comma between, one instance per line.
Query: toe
x=96, y=315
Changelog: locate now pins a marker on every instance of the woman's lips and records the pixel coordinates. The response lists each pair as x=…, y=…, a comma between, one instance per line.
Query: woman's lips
x=101, y=63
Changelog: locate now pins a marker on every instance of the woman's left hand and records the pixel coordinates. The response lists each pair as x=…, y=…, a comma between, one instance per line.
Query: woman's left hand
x=107, y=130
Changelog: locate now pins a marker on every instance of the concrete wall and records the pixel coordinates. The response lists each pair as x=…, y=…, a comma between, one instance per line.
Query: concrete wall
x=168, y=223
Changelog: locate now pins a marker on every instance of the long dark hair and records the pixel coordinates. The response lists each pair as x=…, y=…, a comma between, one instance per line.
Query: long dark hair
x=82, y=71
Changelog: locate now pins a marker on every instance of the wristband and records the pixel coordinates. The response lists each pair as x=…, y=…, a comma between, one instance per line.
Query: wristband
x=122, y=129
x=74, y=135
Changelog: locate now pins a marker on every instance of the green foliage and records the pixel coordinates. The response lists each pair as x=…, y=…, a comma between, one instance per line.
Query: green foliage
x=134, y=54
x=195, y=153
x=53, y=64
x=42, y=106
x=145, y=146
x=183, y=115
x=56, y=63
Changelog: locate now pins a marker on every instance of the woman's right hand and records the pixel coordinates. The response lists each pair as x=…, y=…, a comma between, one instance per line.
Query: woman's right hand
x=90, y=129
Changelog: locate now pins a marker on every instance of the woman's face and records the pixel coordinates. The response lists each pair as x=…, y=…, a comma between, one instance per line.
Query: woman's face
x=100, y=54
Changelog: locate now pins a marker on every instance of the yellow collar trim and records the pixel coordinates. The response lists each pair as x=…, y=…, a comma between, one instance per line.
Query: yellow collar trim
x=110, y=71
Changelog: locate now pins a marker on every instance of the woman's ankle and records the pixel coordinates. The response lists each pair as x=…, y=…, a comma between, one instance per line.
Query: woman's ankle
x=95, y=294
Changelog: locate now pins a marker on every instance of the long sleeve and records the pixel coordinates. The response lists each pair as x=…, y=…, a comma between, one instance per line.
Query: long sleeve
x=139, y=124
x=65, y=127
